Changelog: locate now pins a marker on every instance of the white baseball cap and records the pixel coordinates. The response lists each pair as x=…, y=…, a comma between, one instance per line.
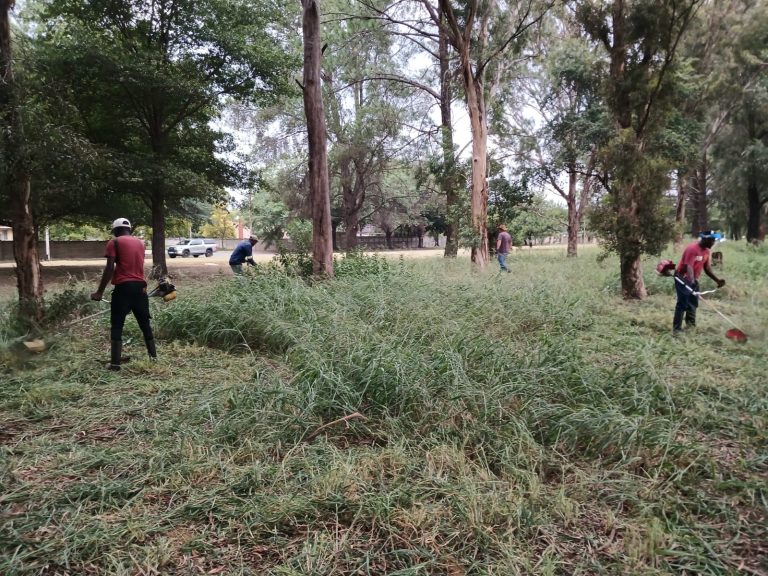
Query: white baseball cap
x=121, y=223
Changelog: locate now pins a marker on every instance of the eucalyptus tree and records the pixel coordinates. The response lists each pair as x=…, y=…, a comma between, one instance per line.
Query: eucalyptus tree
x=741, y=146
x=640, y=41
x=319, y=186
x=15, y=176
x=372, y=121
x=574, y=132
x=553, y=120
x=706, y=56
x=416, y=36
x=485, y=35
x=149, y=76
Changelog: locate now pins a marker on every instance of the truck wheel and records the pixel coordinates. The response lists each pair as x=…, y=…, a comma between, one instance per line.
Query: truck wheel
x=195, y=255
x=172, y=255
x=185, y=253
x=208, y=253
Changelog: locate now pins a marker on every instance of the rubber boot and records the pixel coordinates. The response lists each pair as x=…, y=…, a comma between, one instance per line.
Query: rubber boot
x=151, y=350
x=116, y=355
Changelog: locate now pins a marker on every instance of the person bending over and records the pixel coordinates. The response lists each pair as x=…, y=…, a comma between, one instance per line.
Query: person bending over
x=696, y=257
x=242, y=253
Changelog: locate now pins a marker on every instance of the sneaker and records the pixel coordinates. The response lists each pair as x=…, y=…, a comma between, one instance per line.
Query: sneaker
x=113, y=367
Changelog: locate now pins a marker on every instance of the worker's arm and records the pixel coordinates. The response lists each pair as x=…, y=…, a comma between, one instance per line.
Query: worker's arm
x=106, y=276
x=708, y=270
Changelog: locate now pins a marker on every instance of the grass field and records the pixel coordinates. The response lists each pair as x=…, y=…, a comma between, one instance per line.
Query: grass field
x=530, y=423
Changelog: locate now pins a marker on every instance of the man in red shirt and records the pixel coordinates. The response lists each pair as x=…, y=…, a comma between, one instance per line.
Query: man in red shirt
x=695, y=259
x=125, y=267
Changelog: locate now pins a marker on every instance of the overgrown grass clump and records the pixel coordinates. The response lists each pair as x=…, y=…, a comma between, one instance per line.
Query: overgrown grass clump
x=417, y=419
x=60, y=306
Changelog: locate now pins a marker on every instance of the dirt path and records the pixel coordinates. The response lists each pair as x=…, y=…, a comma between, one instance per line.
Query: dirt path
x=181, y=270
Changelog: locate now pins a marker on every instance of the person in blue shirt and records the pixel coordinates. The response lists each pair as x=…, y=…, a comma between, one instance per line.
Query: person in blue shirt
x=242, y=253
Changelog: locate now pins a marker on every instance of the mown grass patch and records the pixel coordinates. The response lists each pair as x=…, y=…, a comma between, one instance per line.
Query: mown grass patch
x=530, y=423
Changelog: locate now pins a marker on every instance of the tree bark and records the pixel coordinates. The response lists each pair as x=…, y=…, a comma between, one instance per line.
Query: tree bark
x=334, y=228
x=573, y=216
x=448, y=180
x=632, y=284
x=319, y=187
x=700, y=220
x=29, y=278
x=754, y=205
x=349, y=204
x=460, y=36
x=473, y=87
x=18, y=180
x=159, y=263
x=682, y=180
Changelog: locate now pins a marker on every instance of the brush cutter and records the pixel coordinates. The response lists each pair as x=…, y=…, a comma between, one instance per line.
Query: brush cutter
x=164, y=290
x=734, y=333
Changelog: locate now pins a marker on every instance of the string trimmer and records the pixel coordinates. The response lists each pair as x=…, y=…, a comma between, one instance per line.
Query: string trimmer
x=164, y=290
x=734, y=333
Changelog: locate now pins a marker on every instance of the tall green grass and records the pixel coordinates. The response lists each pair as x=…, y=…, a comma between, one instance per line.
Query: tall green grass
x=530, y=423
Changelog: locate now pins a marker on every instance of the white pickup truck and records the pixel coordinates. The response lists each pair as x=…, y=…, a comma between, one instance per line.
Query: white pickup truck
x=193, y=247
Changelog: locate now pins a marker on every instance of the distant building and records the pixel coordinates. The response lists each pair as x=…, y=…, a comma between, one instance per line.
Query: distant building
x=6, y=233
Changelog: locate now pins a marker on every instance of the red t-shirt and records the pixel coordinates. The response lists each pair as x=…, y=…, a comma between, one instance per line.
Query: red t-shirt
x=693, y=255
x=129, y=263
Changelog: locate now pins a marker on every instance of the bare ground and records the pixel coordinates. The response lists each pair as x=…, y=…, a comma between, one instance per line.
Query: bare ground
x=181, y=270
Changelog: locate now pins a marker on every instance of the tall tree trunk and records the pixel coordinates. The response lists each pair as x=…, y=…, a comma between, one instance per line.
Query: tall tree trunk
x=351, y=224
x=334, y=229
x=625, y=192
x=460, y=36
x=349, y=204
x=473, y=87
x=448, y=180
x=29, y=278
x=319, y=188
x=18, y=180
x=754, y=207
x=680, y=206
x=698, y=190
x=159, y=264
x=573, y=215
x=632, y=283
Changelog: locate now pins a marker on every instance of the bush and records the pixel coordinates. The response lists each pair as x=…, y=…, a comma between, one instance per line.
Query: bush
x=357, y=264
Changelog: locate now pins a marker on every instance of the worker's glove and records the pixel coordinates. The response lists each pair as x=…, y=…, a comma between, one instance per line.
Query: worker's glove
x=250, y=261
x=720, y=283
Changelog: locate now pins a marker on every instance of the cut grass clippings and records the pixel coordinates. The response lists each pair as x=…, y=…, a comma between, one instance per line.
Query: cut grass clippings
x=531, y=423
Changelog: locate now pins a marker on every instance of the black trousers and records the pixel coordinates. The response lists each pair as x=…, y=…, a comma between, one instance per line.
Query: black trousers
x=126, y=298
x=686, y=306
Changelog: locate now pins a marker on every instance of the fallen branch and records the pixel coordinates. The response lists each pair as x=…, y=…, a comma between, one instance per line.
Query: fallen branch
x=353, y=416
